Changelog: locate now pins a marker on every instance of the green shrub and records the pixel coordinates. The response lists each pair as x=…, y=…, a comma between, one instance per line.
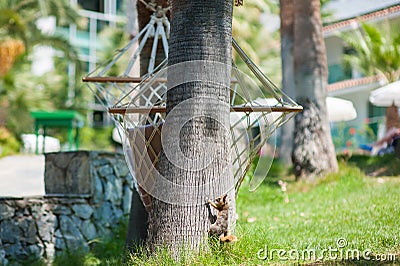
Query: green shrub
x=8, y=143
x=96, y=138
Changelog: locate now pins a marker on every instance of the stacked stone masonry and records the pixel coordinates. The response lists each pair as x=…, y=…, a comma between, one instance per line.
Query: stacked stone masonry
x=87, y=195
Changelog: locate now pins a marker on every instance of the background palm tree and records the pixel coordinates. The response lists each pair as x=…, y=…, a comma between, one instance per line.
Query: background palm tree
x=313, y=151
x=288, y=85
x=306, y=140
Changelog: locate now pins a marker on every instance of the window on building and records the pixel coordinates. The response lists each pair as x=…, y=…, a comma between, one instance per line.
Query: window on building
x=97, y=6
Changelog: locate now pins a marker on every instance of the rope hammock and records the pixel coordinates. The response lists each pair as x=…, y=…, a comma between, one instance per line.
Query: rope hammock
x=138, y=104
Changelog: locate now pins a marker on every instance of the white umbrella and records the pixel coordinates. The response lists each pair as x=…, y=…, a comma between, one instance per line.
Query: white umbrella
x=386, y=95
x=340, y=109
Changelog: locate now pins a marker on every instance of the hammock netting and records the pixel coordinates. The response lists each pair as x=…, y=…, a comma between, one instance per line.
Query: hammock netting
x=138, y=104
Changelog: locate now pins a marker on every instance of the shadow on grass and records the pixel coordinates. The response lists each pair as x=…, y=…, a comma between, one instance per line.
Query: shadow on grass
x=376, y=166
x=387, y=165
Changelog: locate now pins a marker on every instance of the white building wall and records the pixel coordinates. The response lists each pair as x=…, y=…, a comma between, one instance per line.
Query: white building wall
x=334, y=50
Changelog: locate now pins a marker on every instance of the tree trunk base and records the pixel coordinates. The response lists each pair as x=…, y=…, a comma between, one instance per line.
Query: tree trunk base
x=138, y=224
x=312, y=153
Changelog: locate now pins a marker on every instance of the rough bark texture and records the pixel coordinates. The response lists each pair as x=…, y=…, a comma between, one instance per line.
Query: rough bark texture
x=392, y=117
x=311, y=154
x=200, y=30
x=313, y=151
x=288, y=85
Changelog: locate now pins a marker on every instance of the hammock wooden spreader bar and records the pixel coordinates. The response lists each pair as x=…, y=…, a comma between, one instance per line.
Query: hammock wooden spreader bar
x=243, y=109
x=129, y=79
x=121, y=79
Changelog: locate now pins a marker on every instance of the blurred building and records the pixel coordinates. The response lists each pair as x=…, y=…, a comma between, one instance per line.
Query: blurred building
x=349, y=83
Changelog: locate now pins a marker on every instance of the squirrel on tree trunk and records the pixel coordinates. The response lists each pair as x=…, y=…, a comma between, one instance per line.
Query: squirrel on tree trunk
x=220, y=227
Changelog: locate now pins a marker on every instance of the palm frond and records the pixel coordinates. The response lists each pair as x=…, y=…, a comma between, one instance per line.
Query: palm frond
x=396, y=40
x=372, y=33
x=22, y=5
x=63, y=11
x=377, y=51
x=12, y=25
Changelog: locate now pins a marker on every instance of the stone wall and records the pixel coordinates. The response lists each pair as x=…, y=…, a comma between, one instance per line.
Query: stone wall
x=87, y=194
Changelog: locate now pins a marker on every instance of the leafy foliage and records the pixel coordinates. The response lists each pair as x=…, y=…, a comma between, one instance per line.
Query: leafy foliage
x=387, y=165
x=26, y=92
x=19, y=18
x=377, y=50
x=8, y=144
x=112, y=39
x=326, y=14
x=96, y=138
x=19, y=21
x=20, y=90
x=260, y=42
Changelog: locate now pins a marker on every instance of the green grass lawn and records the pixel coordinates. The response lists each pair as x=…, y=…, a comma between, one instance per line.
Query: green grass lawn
x=349, y=206
x=341, y=216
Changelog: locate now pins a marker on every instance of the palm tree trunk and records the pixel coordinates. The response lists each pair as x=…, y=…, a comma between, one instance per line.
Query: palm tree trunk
x=200, y=30
x=392, y=117
x=288, y=85
x=313, y=151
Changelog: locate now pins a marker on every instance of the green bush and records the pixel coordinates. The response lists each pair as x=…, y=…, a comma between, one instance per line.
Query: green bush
x=8, y=143
x=96, y=138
